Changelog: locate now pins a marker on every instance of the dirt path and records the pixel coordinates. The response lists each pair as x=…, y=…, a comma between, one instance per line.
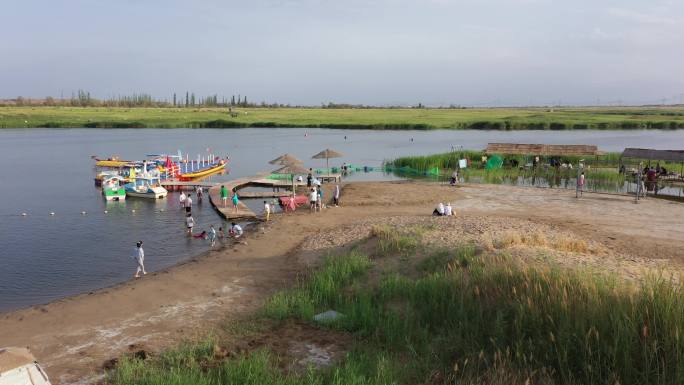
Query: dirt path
x=74, y=337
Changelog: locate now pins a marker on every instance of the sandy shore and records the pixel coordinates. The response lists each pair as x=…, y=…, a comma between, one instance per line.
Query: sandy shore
x=76, y=336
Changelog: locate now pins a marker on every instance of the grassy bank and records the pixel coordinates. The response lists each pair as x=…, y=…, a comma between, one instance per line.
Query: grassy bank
x=372, y=118
x=421, y=315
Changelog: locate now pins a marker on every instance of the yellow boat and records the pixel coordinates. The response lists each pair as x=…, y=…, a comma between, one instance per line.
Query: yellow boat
x=202, y=173
x=111, y=163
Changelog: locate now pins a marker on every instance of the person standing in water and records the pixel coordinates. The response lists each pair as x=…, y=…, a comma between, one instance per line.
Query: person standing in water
x=182, y=199
x=212, y=235
x=200, y=194
x=188, y=204
x=139, y=256
x=267, y=210
x=189, y=223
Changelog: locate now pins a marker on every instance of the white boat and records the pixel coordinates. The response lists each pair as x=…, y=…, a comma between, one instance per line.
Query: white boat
x=112, y=189
x=145, y=187
x=19, y=367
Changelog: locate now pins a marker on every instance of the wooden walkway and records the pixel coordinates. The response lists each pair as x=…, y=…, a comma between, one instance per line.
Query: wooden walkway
x=243, y=211
x=263, y=194
x=178, y=183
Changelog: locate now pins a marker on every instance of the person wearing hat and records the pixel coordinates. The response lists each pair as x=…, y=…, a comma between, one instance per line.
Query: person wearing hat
x=139, y=256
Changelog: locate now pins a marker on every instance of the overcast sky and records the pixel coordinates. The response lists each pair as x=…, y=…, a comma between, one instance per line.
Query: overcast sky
x=438, y=52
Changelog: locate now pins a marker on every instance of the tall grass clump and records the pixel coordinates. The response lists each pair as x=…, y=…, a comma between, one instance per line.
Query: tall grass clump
x=323, y=287
x=394, y=241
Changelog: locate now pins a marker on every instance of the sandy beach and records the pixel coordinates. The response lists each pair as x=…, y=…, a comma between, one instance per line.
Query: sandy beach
x=76, y=337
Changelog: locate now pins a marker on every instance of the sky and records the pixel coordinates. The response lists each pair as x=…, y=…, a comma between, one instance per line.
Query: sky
x=374, y=52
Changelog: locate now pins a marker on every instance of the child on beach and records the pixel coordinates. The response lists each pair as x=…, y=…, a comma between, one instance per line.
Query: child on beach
x=139, y=256
x=313, y=198
x=580, y=183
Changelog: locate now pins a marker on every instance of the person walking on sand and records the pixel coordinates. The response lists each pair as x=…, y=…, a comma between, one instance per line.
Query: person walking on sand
x=139, y=256
x=189, y=223
x=236, y=201
x=580, y=183
x=336, y=195
x=313, y=197
x=224, y=195
x=321, y=205
x=267, y=210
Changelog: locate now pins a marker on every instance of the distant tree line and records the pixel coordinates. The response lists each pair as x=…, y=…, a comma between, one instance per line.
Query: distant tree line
x=82, y=98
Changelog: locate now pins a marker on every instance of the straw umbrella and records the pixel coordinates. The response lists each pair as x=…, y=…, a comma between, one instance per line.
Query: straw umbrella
x=327, y=154
x=286, y=159
x=292, y=169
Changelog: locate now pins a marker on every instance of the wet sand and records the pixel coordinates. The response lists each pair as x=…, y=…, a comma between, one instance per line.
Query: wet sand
x=74, y=337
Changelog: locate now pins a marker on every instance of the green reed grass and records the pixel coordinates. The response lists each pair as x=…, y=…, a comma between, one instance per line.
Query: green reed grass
x=467, y=319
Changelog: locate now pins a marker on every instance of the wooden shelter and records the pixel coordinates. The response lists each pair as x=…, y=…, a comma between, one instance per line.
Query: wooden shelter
x=651, y=154
x=542, y=149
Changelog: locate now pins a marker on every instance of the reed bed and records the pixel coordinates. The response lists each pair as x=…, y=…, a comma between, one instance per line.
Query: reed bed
x=468, y=318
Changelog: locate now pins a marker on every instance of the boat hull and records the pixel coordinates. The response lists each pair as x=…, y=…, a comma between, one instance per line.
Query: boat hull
x=151, y=193
x=202, y=173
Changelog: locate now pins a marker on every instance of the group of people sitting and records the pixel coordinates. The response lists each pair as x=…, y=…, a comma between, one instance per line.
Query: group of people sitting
x=443, y=210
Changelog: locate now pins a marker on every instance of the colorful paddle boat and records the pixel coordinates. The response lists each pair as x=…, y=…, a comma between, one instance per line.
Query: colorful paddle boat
x=112, y=189
x=145, y=186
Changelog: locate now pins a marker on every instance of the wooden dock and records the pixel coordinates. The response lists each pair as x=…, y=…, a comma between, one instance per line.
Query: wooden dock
x=329, y=178
x=263, y=194
x=178, y=183
x=243, y=211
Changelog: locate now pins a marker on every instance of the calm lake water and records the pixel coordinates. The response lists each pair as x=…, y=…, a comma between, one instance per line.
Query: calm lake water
x=45, y=257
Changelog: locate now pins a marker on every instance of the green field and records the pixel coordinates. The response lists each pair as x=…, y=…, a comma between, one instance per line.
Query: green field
x=371, y=118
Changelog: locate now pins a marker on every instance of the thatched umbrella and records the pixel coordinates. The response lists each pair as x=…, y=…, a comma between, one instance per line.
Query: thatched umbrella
x=292, y=169
x=327, y=154
x=286, y=159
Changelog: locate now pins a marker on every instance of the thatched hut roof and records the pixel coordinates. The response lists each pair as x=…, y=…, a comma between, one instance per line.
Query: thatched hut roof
x=650, y=154
x=541, y=149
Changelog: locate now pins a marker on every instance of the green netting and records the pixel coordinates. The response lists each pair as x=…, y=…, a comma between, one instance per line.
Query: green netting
x=433, y=171
x=494, y=162
x=279, y=176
